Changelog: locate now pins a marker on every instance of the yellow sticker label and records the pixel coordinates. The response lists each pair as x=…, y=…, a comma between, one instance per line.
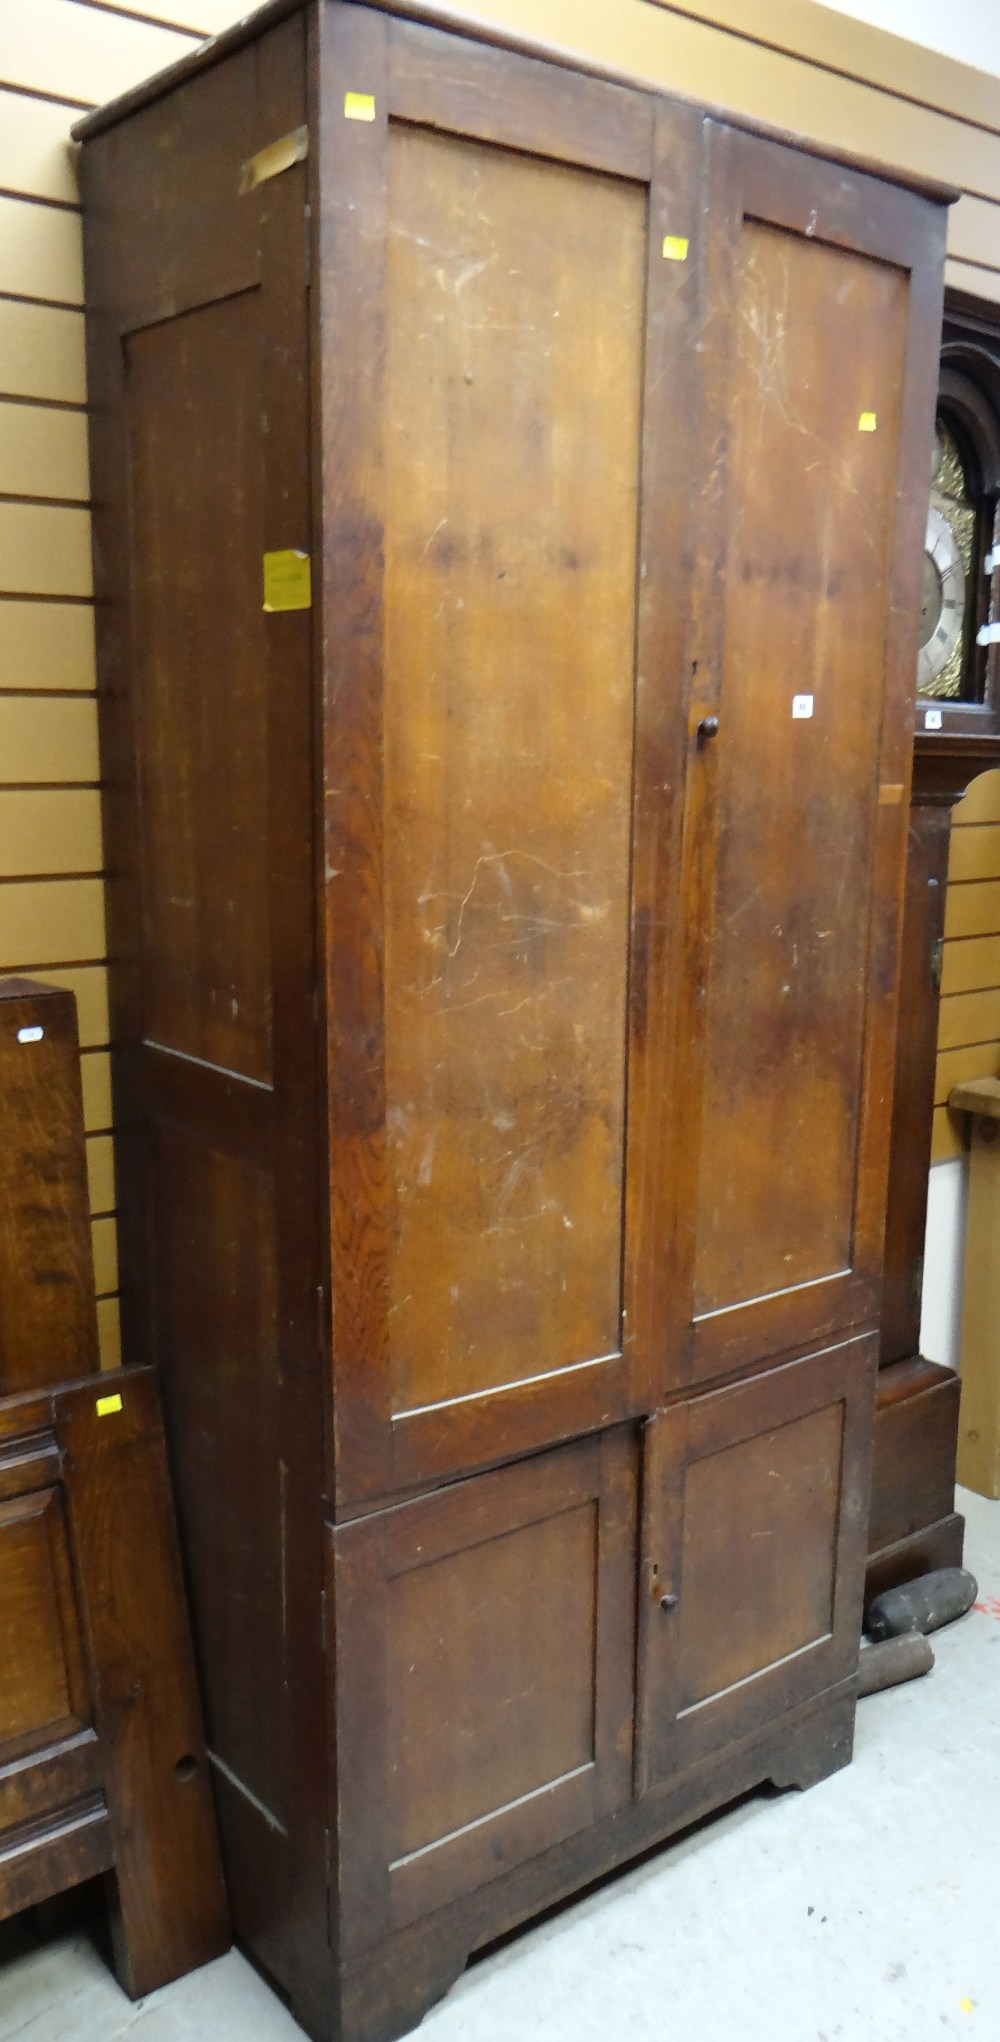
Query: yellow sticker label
x=106, y=1406
x=675, y=247
x=359, y=106
x=867, y=422
x=890, y=794
x=287, y=580
x=270, y=162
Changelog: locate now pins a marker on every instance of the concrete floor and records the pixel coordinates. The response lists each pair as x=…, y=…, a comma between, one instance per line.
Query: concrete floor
x=865, y=1910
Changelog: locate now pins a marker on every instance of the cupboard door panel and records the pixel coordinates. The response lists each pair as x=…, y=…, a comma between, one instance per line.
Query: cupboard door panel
x=796, y=833
x=504, y=326
x=490, y=1629
x=515, y=292
x=753, y=1548
x=44, y=1692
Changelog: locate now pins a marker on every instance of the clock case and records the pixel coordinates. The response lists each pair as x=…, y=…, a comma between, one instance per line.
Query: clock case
x=914, y=1525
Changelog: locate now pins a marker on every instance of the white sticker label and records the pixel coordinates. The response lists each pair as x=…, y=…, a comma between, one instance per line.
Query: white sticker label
x=988, y=634
x=30, y=1034
x=932, y=719
x=802, y=705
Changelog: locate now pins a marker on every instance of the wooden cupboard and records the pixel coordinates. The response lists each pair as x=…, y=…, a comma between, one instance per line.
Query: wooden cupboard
x=510, y=492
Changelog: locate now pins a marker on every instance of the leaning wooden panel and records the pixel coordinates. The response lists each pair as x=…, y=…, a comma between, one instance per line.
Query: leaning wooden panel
x=45, y=1695
x=48, y=1330
x=171, y=1907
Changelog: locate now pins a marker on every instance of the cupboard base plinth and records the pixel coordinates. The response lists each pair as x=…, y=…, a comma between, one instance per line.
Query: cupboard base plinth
x=383, y=1995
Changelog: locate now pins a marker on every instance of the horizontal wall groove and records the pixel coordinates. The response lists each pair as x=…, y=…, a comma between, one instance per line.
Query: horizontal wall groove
x=976, y=262
x=64, y=964
x=32, y=198
x=47, y=98
x=851, y=75
x=49, y=878
x=81, y=503
x=40, y=403
x=44, y=304
x=198, y=35
x=31, y=595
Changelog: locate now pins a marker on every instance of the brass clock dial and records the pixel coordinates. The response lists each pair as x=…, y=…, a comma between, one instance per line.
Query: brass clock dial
x=943, y=607
x=950, y=552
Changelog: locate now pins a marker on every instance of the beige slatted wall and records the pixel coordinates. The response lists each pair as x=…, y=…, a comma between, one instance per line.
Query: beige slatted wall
x=969, y=1027
x=788, y=62
x=57, y=56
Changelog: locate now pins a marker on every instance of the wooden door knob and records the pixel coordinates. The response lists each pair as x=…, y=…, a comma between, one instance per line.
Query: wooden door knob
x=668, y=1602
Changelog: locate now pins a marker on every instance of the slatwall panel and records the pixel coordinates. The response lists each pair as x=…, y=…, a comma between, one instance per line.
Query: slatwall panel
x=969, y=1025
x=57, y=56
x=788, y=62
x=804, y=68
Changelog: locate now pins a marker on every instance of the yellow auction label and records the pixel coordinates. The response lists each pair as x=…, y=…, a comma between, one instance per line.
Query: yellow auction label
x=359, y=106
x=106, y=1406
x=868, y=422
x=287, y=580
x=675, y=247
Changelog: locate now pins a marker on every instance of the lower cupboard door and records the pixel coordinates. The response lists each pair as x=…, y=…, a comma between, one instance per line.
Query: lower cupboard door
x=484, y=1687
x=755, y=1510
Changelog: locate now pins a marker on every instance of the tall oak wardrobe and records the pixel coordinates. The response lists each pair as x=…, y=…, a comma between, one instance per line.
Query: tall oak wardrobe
x=510, y=489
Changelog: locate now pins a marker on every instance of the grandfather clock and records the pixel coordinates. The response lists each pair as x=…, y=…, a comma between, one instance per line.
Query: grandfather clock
x=914, y=1526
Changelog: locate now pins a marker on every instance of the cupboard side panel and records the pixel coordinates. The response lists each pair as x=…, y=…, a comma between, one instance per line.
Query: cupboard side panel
x=200, y=371
x=196, y=470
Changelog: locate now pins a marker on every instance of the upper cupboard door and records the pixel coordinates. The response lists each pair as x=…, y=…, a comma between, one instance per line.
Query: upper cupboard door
x=492, y=316
x=823, y=298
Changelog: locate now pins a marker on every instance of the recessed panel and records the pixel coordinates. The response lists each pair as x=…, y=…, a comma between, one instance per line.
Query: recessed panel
x=216, y=1348
x=491, y=1681
x=814, y=381
x=515, y=296
x=759, y=1553
x=199, y=652
x=40, y=1657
